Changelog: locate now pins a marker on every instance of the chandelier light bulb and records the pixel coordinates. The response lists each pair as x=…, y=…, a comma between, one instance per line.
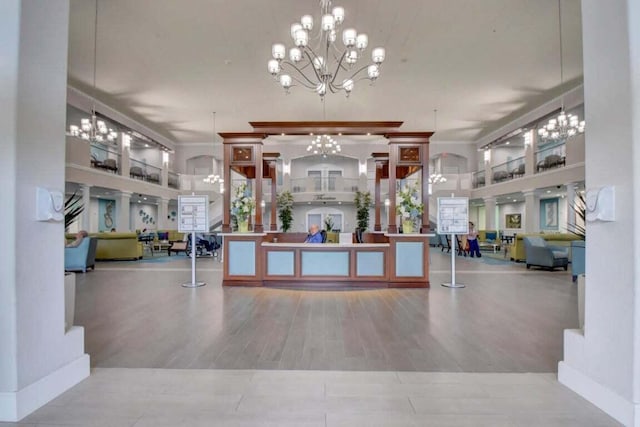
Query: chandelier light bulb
x=328, y=23
x=349, y=36
x=316, y=62
x=294, y=28
x=338, y=14
x=362, y=41
x=307, y=22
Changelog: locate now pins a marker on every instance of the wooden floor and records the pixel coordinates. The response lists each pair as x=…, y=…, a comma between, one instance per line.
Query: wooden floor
x=507, y=319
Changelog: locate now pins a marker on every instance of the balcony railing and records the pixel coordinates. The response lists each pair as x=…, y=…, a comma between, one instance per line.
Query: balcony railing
x=550, y=157
x=507, y=170
x=477, y=179
x=173, y=180
x=104, y=159
x=145, y=172
x=313, y=184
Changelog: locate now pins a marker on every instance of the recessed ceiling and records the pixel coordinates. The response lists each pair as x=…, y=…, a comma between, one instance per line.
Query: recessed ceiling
x=171, y=64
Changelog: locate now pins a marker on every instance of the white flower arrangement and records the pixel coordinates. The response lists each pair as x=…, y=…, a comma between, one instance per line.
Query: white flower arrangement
x=243, y=204
x=408, y=204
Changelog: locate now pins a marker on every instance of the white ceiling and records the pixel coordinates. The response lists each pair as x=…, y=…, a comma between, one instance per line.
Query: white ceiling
x=169, y=64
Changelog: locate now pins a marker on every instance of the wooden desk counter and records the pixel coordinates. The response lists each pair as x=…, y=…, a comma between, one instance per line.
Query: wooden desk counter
x=402, y=262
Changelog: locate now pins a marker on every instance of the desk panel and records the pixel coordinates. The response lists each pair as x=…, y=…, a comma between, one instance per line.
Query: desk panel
x=325, y=263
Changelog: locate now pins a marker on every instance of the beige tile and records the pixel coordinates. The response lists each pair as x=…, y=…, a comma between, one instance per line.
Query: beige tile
x=443, y=390
x=312, y=390
x=473, y=378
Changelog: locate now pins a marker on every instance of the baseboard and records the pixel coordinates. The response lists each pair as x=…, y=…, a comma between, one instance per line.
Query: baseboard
x=14, y=406
x=613, y=404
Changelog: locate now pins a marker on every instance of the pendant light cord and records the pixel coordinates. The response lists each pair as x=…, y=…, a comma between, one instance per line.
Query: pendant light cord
x=561, y=53
x=95, y=58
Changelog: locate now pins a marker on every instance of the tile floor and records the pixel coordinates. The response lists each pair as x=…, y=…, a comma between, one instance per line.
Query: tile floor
x=116, y=397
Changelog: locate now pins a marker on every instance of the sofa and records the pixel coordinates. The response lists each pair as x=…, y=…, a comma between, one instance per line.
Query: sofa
x=81, y=257
x=517, y=250
x=539, y=254
x=118, y=246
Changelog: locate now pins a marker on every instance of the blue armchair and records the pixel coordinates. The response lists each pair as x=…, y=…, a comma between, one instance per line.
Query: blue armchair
x=81, y=257
x=538, y=253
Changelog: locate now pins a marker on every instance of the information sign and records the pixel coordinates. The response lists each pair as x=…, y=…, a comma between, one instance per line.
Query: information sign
x=453, y=215
x=193, y=214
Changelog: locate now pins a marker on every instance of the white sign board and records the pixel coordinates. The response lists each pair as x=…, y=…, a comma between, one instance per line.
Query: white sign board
x=193, y=214
x=453, y=215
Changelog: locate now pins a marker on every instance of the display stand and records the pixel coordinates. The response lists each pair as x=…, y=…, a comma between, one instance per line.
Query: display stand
x=453, y=218
x=193, y=216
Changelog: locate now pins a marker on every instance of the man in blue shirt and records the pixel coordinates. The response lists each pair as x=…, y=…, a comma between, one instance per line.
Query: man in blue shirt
x=314, y=234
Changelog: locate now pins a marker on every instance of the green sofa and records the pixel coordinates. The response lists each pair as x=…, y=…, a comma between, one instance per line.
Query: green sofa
x=517, y=252
x=117, y=246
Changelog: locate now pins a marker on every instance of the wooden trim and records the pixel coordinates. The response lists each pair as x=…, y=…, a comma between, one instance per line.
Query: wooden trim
x=344, y=127
x=408, y=137
x=377, y=223
x=226, y=196
x=242, y=137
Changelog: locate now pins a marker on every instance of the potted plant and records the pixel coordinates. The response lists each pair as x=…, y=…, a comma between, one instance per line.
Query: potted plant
x=285, y=210
x=363, y=204
x=409, y=207
x=73, y=207
x=242, y=207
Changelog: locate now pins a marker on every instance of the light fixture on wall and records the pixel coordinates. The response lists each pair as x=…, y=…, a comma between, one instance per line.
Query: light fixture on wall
x=564, y=126
x=92, y=129
x=318, y=67
x=324, y=145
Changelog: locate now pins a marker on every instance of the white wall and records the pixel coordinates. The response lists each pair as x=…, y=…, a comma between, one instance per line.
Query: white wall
x=137, y=220
x=501, y=154
x=38, y=360
x=349, y=212
x=348, y=166
x=603, y=364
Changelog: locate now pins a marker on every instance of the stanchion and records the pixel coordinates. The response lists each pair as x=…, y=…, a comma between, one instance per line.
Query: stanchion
x=453, y=283
x=193, y=283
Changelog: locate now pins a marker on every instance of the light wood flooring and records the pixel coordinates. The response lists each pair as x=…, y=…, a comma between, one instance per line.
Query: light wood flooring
x=508, y=319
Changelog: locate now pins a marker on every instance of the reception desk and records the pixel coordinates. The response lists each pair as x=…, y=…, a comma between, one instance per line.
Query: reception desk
x=253, y=259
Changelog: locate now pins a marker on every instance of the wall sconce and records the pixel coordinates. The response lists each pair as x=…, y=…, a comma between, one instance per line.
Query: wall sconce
x=263, y=204
x=487, y=156
x=126, y=141
x=387, y=202
x=362, y=168
x=286, y=168
x=165, y=158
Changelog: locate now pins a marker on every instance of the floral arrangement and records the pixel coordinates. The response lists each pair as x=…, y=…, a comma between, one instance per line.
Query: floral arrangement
x=328, y=223
x=408, y=204
x=243, y=204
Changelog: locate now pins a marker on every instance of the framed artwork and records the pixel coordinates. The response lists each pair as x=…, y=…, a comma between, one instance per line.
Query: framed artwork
x=106, y=215
x=549, y=214
x=513, y=221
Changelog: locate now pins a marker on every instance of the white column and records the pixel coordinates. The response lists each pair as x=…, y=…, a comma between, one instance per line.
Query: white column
x=488, y=175
x=531, y=211
x=123, y=211
x=602, y=363
x=163, y=212
x=530, y=153
x=85, y=221
x=164, y=174
x=571, y=201
x=490, y=213
x=125, y=147
x=38, y=360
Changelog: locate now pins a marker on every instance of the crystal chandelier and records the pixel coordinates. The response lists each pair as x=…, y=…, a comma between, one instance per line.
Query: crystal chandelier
x=563, y=127
x=214, y=178
x=324, y=66
x=324, y=145
x=436, y=178
x=92, y=129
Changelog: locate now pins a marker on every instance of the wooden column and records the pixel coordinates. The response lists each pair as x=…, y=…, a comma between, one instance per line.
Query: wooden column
x=269, y=165
x=243, y=154
x=382, y=171
x=408, y=153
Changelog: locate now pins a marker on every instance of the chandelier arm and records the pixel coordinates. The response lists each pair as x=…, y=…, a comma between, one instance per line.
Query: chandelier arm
x=299, y=71
x=306, y=52
x=310, y=87
x=335, y=75
x=359, y=71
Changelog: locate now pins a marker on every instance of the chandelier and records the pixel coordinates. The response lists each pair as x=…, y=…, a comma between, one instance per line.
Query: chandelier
x=563, y=127
x=92, y=129
x=436, y=178
x=324, y=145
x=324, y=66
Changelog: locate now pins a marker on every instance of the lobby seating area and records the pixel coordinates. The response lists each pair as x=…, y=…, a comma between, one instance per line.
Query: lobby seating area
x=517, y=249
x=81, y=257
x=539, y=254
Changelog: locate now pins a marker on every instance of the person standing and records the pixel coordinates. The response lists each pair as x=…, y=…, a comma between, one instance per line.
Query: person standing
x=472, y=239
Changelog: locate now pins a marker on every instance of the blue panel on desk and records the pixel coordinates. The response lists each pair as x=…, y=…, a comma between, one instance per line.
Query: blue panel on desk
x=242, y=258
x=325, y=263
x=370, y=264
x=280, y=263
x=409, y=259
